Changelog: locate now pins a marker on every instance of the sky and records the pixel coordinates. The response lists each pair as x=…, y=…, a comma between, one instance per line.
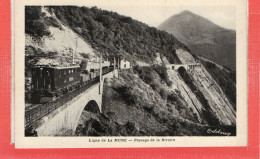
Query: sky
x=154, y=15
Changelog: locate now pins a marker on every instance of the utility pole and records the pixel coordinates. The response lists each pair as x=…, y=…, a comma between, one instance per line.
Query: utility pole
x=75, y=51
x=100, y=69
x=114, y=62
x=118, y=63
x=118, y=66
x=100, y=75
x=114, y=73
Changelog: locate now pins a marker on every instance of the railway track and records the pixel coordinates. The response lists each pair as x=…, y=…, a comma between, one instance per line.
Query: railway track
x=34, y=113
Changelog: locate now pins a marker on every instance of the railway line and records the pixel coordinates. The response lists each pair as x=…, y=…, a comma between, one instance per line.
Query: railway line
x=35, y=112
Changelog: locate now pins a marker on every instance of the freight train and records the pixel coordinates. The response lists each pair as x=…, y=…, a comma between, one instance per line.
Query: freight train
x=51, y=82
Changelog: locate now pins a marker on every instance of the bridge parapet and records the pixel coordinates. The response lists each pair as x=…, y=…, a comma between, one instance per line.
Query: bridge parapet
x=63, y=114
x=32, y=115
x=186, y=66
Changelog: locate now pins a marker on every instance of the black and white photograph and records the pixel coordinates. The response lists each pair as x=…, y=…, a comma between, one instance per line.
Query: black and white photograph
x=98, y=72
x=131, y=74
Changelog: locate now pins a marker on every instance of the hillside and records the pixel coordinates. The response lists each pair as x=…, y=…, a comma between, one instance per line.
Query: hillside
x=137, y=104
x=148, y=99
x=225, y=77
x=203, y=37
x=106, y=32
x=156, y=101
x=48, y=41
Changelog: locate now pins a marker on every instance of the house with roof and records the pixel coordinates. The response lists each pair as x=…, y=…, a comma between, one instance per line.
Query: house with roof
x=124, y=64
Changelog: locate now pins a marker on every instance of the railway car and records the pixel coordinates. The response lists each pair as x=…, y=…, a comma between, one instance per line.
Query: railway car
x=84, y=77
x=49, y=83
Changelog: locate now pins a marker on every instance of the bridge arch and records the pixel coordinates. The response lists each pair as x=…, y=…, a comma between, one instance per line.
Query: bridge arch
x=92, y=106
x=66, y=116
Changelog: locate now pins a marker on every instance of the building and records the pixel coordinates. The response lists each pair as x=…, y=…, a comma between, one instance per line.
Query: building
x=124, y=64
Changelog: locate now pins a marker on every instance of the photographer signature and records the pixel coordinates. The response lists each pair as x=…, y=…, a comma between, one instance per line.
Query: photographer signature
x=218, y=131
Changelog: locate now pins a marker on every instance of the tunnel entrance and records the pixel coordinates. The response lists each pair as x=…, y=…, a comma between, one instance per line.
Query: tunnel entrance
x=181, y=70
x=92, y=106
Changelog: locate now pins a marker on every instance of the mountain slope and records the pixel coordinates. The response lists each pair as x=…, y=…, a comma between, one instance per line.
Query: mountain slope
x=203, y=37
x=114, y=34
x=148, y=99
x=48, y=41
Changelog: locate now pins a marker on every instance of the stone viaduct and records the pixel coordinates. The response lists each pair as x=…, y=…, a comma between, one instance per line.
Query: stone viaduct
x=186, y=66
x=66, y=117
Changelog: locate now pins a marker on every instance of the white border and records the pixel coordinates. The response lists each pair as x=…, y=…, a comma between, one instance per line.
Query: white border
x=12, y=72
x=82, y=142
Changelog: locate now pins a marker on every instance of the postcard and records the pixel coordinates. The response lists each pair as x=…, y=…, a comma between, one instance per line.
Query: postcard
x=130, y=73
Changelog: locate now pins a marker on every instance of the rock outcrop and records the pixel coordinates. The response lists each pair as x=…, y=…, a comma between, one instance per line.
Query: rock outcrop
x=210, y=92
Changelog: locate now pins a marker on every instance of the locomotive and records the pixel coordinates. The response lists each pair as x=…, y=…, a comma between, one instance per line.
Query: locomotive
x=51, y=82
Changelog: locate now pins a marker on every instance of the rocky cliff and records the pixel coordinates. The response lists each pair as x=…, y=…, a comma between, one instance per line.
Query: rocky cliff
x=159, y=101
x=143, y=102
x=213, y=97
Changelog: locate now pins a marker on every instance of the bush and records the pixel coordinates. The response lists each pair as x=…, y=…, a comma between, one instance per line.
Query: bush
x=84, y=55
x=162, y=71
x=128, y=97
x=32, y=12
x=123, y=34
x=155, y=86
x=163, y=93
x=171, y=98
x=50, y=21
x=34, y=25
x=145, y=73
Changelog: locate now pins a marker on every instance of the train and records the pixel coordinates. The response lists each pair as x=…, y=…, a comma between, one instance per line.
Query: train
x=51, y=82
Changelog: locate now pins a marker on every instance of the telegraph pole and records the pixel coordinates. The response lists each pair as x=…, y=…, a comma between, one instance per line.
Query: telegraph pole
x=114, y=71
x=100, y=74
x=118, y=66
x=114, y=62
x=100, y=69
x=75, y=51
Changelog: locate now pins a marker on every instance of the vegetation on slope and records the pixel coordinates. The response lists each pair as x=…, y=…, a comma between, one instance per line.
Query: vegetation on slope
x=223, y=54
x=132, y=106
x=36, y=23
x=153, y=108
x=114, y=34
x=226, y=78
x=142, y=103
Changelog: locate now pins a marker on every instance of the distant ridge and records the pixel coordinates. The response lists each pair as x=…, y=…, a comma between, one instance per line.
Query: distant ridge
x=203, y=37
